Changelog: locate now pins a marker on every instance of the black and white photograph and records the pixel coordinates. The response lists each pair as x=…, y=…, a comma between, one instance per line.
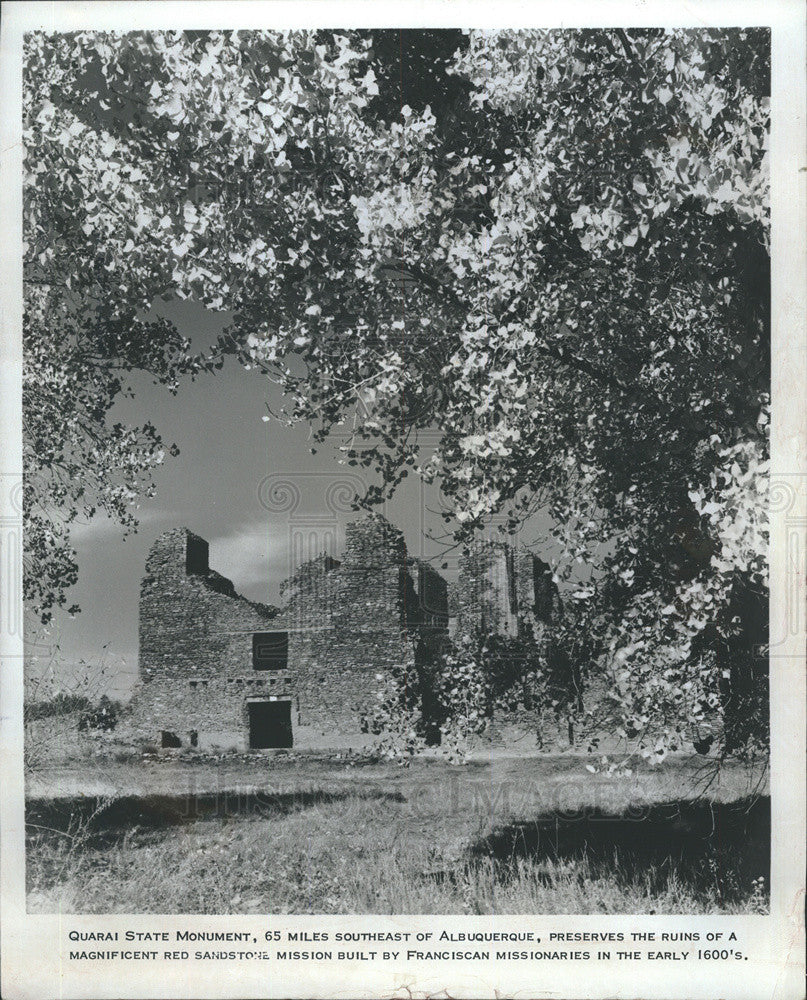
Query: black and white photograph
x=397, y=496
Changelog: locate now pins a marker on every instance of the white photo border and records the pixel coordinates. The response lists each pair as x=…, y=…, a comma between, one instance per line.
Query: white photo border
x=34, y=948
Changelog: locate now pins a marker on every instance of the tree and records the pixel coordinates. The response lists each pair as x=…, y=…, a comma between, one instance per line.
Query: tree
x=550, y=244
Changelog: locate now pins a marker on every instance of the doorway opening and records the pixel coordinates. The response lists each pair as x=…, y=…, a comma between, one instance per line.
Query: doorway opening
x=269, y=725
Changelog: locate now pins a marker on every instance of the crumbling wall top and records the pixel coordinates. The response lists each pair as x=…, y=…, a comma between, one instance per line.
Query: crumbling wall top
x=372, y=541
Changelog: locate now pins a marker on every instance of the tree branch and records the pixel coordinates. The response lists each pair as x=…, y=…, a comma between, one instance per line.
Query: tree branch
x=622, y=35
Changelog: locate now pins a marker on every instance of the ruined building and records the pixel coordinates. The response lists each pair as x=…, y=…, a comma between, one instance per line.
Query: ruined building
x=205, y=651
x=219, y=670
x=504, y=590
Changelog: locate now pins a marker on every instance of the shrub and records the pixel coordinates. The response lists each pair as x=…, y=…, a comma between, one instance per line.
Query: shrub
x=60, y=704
x=103, y=717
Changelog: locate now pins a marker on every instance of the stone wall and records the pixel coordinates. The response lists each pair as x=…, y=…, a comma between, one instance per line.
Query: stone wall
x=431, y=598
x=504, y=590
x=196, y=646
x=486, y=593
x=508, y=591
x=376, y=611
x=351, y=621
x=348, y=625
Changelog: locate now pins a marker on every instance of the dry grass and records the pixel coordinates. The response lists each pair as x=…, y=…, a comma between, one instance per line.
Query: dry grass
x=529, y=836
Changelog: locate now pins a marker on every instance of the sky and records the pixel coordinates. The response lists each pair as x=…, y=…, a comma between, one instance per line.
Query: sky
x=229, y=460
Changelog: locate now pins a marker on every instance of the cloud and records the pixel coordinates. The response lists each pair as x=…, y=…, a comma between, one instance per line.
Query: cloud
x=255, y=559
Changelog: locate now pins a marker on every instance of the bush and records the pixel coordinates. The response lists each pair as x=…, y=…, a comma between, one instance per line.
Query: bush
x=454, y=697
x=104, y=716
x=60, y=704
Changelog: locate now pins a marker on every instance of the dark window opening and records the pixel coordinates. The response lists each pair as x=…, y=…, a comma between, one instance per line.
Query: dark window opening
x=196, y=556
x=270, y=650
x=194, y=738
x=169, y=741
x=269, y=725
x=512, y=594
x=542, y=588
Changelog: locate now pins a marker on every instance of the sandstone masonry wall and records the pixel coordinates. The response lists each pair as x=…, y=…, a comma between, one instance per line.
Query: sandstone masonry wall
x=376, y=611
x=509, y=592
x=504, y=590
x=195, y=644
x=350, y=621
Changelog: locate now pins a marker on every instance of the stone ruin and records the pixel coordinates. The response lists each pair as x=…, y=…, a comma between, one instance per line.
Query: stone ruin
x=220, y=671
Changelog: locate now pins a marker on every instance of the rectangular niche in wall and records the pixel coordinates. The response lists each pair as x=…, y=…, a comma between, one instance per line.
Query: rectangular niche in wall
x=270, y=650
x=269, y=724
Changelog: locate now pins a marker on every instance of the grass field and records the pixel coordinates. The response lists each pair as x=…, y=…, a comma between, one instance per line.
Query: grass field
x=294, y=836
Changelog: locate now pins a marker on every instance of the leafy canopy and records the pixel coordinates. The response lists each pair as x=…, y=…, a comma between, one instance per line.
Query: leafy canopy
x=551, y=246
